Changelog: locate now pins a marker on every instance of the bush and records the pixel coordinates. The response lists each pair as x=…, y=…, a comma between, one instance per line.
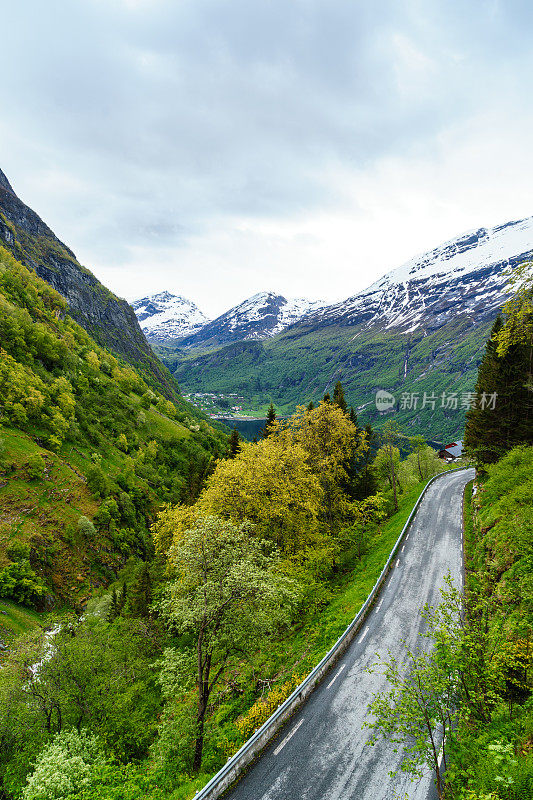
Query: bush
x=86, y=527
x=35, y=466
x=65, y=766
x=18, y=551
x=20, y=583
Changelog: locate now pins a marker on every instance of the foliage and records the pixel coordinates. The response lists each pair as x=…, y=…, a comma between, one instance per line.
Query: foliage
x=263, y=708
x=506, y=375
x=227, y=593
x=19, y=582
x=69, y=763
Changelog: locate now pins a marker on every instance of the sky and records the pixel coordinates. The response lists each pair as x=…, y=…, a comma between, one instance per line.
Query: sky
x=218, y=148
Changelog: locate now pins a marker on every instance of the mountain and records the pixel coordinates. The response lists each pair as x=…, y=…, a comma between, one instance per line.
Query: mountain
x=88, y=452
x=108, y=319
x=167, y=316
x=261, y=316
x=419, y=329
x=463, y=275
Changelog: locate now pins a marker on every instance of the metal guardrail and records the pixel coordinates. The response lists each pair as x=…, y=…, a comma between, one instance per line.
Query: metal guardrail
x=235, y=766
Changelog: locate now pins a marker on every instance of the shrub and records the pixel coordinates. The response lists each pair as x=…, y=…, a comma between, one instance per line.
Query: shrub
x=20, y=583
x=35, y=466
x=67, y=765
x=86, y=527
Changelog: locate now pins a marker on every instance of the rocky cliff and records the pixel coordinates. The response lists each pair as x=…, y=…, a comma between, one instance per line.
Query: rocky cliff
x=109, y=319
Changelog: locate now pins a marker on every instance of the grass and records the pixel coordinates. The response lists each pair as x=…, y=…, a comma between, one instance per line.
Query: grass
x=15, y=620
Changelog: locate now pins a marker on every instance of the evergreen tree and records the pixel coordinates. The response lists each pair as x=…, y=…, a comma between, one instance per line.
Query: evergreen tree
x=327, y=398
x=121, y=599
x=270, y=419
x=365, y=484
x=140, y=594
x=353, y=416
x=234, y=443
x=338, y=397
x=310, y=405
x=503, y=415
x=113, y=608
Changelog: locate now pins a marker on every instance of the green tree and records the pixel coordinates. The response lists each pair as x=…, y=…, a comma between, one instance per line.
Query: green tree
x=388, y=457
x=227, y=593
x=234, y=443
x=338, y=397
x=270, y=420
x=140, y=593
x=36, y=466
x=417, y=444
x=367, y=513
x=67, y=765
x=86, y=527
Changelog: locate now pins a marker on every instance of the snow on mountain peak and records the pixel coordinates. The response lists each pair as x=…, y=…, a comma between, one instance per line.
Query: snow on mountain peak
x=464, y=275
x=164, y=316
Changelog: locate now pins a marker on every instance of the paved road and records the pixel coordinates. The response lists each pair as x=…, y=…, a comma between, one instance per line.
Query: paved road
x=321, y=753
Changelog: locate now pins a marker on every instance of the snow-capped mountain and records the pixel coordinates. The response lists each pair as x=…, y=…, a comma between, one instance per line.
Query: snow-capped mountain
x=465, y=275
x=259, y=317
x=166, y=316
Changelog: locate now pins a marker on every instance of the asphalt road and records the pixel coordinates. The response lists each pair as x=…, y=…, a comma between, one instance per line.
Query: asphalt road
x=321, y=753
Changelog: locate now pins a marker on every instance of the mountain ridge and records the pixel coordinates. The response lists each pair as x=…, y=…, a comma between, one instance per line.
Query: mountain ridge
x=421, y=328
x=262, y=315
x=109, y=319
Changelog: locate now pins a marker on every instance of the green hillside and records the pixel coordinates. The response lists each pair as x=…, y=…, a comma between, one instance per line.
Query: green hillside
x=301, y=364
x=89, y=453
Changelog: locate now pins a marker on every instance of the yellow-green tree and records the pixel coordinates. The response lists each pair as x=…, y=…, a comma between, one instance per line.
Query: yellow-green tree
x=330, y=440
x=272, y=485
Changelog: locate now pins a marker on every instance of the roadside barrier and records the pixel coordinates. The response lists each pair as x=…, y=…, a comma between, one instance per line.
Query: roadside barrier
x=236, y=765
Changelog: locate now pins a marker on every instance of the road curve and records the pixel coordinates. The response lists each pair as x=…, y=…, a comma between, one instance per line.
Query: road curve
x=321, y=754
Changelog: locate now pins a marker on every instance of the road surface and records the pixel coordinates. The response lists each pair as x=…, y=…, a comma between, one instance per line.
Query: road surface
x=321, y=753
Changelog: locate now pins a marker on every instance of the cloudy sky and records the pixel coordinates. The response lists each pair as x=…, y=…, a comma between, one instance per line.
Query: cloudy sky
x=217, y=148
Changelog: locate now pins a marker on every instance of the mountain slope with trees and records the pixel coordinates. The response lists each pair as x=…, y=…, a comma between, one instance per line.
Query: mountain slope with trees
x=89, y=451
x=109, y=320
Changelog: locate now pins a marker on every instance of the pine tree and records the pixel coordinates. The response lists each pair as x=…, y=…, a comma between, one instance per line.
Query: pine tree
x=121, y=600
x=234, y=443
x=327, y=398
x=365, y=483
x=310, y=405
x=140, y=595
x=353, y=416
x=270, y=419
x=113, y=608
x=492, y=431
x=338, y=397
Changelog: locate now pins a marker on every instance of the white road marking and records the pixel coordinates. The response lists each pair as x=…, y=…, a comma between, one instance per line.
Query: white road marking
x=380, y=604
x=398, y=563
x=403, y=548
x=332, y=681
x=364, y=633
x=289, y=736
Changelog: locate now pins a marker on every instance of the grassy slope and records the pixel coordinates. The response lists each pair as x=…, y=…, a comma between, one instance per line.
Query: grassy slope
x=15, y=619
x=300, y=365
x=46, y=360
x=501, y=569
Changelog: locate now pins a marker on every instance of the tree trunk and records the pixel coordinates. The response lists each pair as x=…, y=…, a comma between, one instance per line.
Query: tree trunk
x=200, y=725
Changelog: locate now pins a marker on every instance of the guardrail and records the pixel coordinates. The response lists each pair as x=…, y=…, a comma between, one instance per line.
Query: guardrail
x=236, y=765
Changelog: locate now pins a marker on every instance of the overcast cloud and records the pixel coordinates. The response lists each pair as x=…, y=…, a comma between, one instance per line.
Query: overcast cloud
x=217, y=149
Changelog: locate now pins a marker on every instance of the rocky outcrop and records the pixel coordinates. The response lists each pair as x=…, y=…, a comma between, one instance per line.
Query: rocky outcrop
x=110, y=320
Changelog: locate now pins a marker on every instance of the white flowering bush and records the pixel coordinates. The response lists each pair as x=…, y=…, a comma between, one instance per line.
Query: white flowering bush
x=65, y=766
